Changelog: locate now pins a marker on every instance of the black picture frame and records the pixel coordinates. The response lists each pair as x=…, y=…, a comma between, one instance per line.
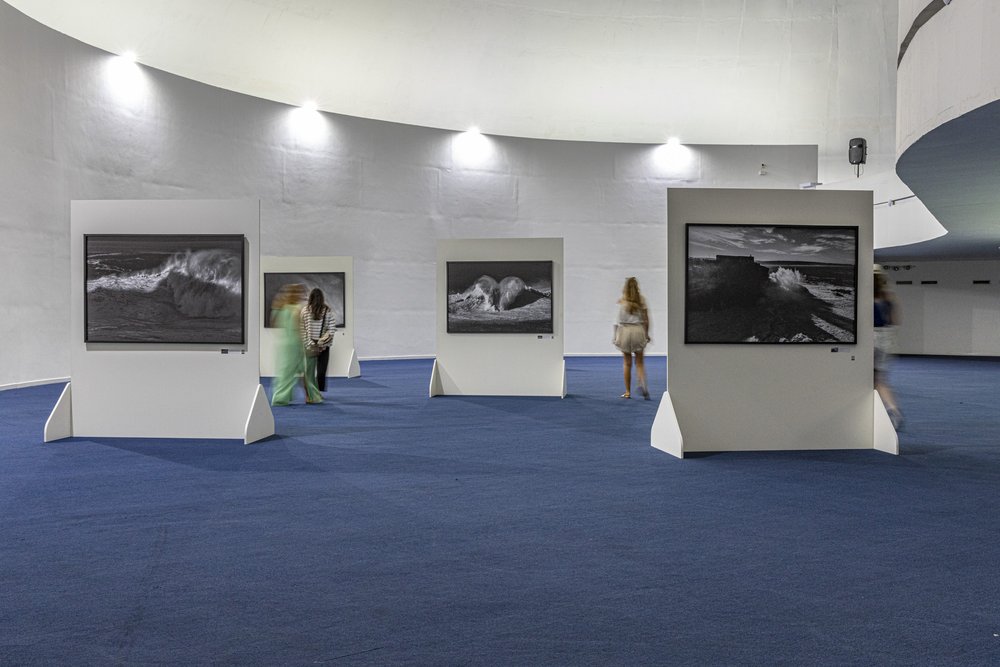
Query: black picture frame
x=332, y=283
x=165, y=289
x=770, y=284
x=499, y=297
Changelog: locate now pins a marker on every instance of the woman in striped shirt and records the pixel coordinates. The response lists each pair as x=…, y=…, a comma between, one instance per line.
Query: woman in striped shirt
x=317, y=326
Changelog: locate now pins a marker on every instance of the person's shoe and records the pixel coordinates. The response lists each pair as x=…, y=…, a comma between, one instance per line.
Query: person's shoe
x=645, y=393
x=896, y=417
x=626, y=395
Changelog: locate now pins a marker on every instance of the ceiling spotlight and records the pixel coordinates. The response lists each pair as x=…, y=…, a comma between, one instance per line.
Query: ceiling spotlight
x=673, y=141
x=129, y=56
x=310, y=105
x=471, y=148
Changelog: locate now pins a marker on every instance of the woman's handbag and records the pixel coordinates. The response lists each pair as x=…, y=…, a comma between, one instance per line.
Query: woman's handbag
x=315, y=346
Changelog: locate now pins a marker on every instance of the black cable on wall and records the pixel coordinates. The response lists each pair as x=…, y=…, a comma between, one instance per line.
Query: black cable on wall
x=932, y=8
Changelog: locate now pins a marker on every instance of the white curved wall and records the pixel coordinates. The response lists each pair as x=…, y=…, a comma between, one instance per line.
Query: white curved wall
x=951, y=66
x=380, y=192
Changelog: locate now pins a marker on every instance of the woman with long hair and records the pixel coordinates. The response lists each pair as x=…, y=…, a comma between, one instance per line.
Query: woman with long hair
x=632, y=334
x=317, y=328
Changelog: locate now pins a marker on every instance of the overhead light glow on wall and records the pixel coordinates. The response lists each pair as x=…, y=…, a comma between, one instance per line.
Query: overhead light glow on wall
x=673, y=159
x=471, y=148
x=126, y=80
x=308, y=125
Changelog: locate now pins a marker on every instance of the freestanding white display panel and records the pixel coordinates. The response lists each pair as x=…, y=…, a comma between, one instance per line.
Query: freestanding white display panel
x=164, y=390
x=343, y=356
x=499, y=364
x=786, y=396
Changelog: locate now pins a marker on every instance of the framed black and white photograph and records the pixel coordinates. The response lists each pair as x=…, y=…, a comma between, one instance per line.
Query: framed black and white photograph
x=164, y=288
x=771, y=284
x=500, y=297
x=330, y=283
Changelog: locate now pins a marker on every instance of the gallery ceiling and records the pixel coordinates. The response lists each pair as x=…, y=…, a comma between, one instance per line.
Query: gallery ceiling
x=706, y=71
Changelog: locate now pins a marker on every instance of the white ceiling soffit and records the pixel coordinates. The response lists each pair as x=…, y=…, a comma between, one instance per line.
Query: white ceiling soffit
x=706, y=71
x=900, y=218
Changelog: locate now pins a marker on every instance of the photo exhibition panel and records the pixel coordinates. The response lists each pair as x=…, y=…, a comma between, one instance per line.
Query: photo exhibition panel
x=162, y=306
x=770, y=318
x=500, y=317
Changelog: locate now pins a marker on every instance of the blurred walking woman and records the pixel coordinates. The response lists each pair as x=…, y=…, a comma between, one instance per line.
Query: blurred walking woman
x=886, y=319
x=289, y=357
x=317, y=329
x=632, y=335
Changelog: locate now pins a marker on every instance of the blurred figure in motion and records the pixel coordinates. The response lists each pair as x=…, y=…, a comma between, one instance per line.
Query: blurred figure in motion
x=631, y=335
x=886, y=321
x=289, y=354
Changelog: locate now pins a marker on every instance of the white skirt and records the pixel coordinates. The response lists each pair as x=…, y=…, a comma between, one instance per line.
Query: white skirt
x=630, y=338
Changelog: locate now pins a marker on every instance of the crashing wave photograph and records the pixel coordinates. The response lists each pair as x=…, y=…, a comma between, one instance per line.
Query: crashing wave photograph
x=164, y=288
x=500, y=297
x=771, y=284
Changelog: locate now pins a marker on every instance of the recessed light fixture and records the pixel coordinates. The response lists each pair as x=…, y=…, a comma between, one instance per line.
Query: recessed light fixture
x=673, y=158
x=308, y=125
x=471, y=148
x=126, y=80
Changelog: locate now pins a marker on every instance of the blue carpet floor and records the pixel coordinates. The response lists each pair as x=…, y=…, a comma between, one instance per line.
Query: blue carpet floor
x=384, y=528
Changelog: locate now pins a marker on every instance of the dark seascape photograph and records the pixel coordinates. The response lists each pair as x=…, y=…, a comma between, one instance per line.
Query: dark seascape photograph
x=771, y=284
x=330, y=283
x=500, y=297
x=164, y=288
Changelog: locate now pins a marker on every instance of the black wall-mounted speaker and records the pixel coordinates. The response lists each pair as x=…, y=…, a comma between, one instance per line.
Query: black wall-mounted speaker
x=857, y=151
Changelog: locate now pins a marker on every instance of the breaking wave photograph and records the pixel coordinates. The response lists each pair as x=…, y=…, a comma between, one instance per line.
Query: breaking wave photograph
x=771, y=284
x=500, y=297
x=164, y=288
